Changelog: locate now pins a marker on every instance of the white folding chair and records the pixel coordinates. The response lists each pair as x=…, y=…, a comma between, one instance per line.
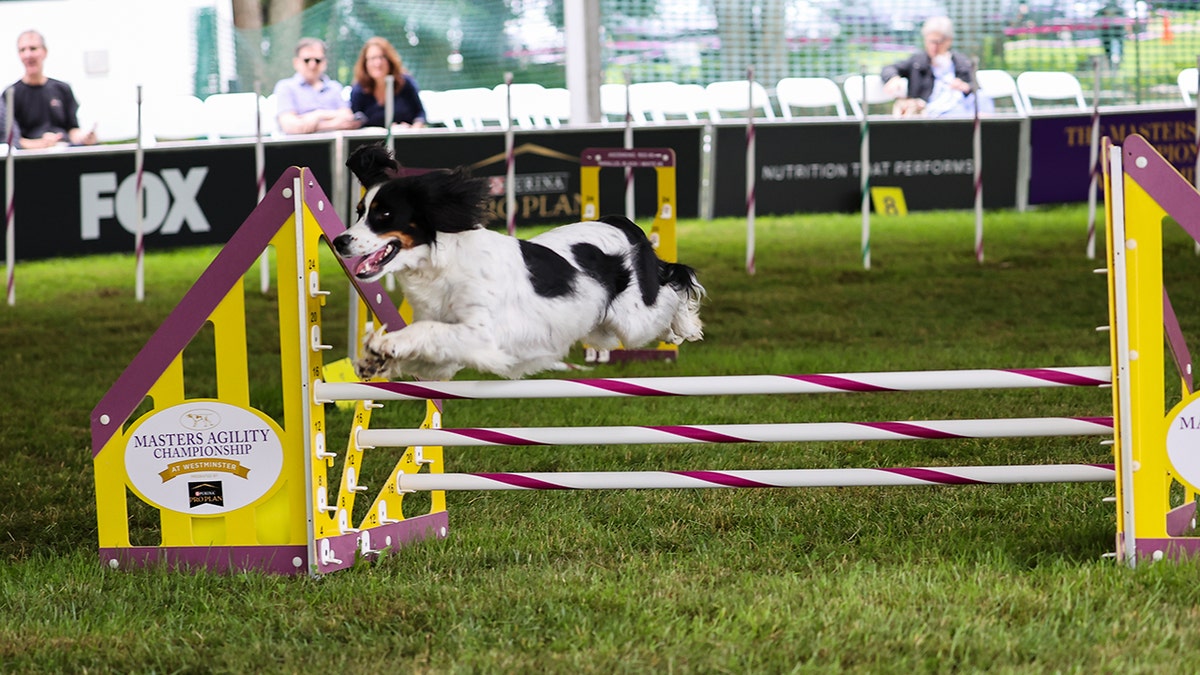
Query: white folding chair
x=174, y=118
x=1055, y=85
x=735, y=97
x=996, y=84
x=875, y=93
x=808, y=93
x=114, y=119
x=1187, y=85
x=528, y=101
x=661, y=101
x=232, y=115
x=612, y=104
x=474, y=107
x=558, y=106
x=436, y=113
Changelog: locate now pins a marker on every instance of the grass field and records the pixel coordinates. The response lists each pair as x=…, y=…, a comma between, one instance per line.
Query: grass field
x=915, y=579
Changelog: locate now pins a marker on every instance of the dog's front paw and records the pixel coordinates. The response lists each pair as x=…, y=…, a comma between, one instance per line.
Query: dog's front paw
x=374, y=360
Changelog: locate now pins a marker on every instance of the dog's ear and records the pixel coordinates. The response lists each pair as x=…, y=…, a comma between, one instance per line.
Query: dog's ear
x=455, y=202
x=372, y=164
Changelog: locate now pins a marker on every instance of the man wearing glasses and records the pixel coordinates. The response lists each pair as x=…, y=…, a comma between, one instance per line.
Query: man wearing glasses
x=310, y=100
x=939, y=79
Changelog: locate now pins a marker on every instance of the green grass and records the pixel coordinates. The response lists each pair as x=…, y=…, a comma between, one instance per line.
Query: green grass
x=1000, y=578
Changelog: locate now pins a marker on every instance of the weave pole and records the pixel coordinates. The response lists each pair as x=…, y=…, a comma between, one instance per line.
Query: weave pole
x=750, y=162
x=260, y=167
x=10, y=239
x=760, y=478
x=718, y=385
x=510, y=164
x=629, y=193
x=977, y=159
x=864, y=161
x=1094, y=164
x=1017, y=427
x=139, y=241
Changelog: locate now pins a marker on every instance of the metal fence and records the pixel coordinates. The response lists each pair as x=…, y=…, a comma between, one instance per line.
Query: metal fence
x=1137, y=47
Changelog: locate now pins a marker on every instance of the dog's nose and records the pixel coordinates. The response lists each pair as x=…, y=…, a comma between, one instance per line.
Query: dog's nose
x=341, y=244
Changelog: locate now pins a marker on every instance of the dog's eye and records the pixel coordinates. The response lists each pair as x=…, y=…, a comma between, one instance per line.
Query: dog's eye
x=386, y=215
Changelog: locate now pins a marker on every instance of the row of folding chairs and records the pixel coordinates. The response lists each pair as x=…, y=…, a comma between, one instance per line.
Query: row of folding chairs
x=525, y=105
x=795, y=96
x=114, y=115
x=532, y=106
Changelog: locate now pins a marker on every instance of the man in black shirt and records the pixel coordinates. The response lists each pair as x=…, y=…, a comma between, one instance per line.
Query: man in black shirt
x=44, y=109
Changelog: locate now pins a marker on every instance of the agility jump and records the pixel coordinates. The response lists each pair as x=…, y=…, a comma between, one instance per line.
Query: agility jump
x=276, y=506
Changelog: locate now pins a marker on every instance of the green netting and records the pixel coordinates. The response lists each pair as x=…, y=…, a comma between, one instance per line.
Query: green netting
x=458, y=43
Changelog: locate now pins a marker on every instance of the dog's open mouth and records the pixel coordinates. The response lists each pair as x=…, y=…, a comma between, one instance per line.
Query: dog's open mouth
x=372, y=264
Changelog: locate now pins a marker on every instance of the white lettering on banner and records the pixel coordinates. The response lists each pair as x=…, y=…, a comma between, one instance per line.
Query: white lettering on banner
x=169, y=202
x=835, y=171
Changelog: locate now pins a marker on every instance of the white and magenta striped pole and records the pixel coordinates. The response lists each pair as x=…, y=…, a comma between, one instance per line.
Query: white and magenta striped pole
x=1094, y=164
x=977, y=155
x=510, y=163
x=760, y=478
x=629, y=193
x=719, y=385
x=139, y=242
x=10, y=237
x=801, y=432
x=260, y=177
x=864, y=161
x=750, y=162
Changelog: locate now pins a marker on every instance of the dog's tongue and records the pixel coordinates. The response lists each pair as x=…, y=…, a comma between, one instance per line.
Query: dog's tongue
x=370, y=264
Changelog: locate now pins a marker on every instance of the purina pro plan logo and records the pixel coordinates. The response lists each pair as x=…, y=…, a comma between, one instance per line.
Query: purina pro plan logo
x=203, y=457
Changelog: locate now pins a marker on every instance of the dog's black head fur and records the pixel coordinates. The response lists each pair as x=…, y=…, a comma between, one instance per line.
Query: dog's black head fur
x=372, y=165
x=417, y=207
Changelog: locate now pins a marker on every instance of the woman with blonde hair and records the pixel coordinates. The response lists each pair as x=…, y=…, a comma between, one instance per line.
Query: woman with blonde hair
x=368, y=96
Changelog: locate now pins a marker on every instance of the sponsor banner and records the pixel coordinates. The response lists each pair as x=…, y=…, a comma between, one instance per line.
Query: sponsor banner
x=82, y=202
x=814, y=167
x=546, y=168
x=1061, y=147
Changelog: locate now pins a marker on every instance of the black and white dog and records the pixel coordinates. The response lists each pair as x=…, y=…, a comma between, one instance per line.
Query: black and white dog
x=496, y=303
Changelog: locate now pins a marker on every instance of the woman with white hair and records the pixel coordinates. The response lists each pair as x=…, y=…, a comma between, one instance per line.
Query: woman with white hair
x=939, y=80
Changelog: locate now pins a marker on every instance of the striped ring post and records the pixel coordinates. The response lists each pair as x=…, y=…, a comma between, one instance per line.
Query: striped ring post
x=629, y=193
x=750, y=167
x=762, y=478
x=1026, y=427
x=724, y=385
x=977, y=154
x=864, y=162
x=1094, y=164
x=10, y=239
x=510, y=168
x=139, y=243
x=260, y=165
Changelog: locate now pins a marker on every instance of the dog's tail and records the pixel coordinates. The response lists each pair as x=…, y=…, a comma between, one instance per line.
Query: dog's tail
x=686, y=324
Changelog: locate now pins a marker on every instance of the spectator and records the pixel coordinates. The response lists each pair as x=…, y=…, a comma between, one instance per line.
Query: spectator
x=44, y=109
x=939, y=80
x=376, y=61
x=310, y=100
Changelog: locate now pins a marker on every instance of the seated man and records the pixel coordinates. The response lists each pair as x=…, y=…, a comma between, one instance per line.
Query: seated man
x=310, y=100
x=44, y=109
x=939, y=79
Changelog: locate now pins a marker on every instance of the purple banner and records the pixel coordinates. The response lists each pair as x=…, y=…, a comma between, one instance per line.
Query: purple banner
x=1061, y=147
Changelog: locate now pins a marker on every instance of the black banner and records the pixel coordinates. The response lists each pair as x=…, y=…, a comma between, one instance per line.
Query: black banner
x=86, y=201
x=814, y=167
